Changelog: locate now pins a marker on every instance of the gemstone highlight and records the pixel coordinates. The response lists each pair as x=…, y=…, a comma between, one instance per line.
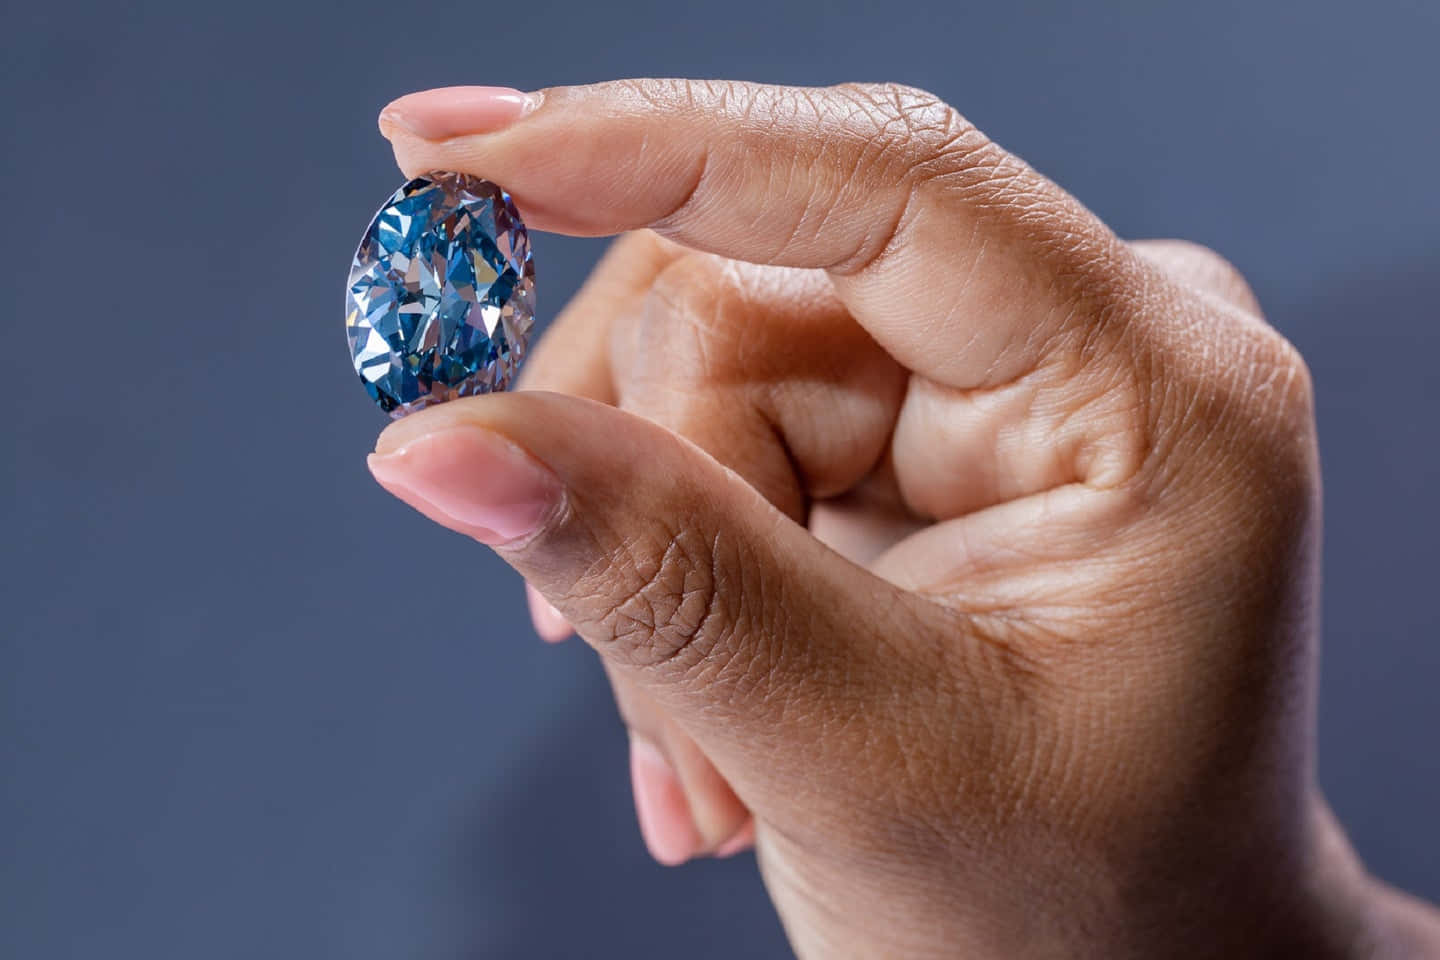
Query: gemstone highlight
x=441, y=299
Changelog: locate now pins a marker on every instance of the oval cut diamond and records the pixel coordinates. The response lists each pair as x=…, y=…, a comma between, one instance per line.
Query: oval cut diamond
x=441, y=300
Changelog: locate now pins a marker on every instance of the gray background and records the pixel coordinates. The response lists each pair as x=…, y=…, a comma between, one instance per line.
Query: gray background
x=252, y=707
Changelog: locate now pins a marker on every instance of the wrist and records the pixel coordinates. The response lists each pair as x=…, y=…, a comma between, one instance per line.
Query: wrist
x=1330, y=908
x=1324, y=906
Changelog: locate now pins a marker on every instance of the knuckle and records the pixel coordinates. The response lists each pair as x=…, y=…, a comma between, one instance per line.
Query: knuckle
x=914, y=134
x=680, y=333
x=1285, y=386
x=1202, y=268
x=907, y=142
x=900, y=107
x=1258, y=384
x=1192, y=379
x=707, y=321
x=659, y=601
x=662, y=93
x=1237, y=408
x=691, y=284
x=935, y=159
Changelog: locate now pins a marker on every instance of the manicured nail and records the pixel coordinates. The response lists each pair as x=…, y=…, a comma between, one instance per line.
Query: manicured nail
x=660, y=805
x=741, y=841
x=549, y=622
x=472, y=481
x=458, y=111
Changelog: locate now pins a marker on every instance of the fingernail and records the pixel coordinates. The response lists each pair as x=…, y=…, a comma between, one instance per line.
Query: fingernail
x=458, y=111
x=549, y=622
x=741, y=841
x=472, y=481
x=660, y=805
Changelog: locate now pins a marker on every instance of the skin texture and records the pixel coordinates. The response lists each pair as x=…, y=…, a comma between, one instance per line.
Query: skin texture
x=955, y=553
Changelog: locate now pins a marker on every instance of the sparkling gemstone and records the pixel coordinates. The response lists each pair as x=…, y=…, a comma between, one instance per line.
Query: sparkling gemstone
x=441, y=300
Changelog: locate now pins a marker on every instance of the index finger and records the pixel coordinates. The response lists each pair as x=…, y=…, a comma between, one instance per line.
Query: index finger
x=959, y=259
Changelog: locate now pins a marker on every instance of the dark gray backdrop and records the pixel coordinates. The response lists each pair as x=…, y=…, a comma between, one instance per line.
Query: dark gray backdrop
x=252, y=707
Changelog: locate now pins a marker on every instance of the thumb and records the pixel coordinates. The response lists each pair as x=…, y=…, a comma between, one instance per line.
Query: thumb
x=684, y=578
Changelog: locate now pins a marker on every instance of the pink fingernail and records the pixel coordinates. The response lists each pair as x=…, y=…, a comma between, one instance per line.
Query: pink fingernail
x=742, y=840
x=660, y=805
x=458, y=111
x=549, y=622
x=472, y=481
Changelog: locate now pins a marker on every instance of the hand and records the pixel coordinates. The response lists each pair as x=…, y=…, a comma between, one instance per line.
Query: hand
x=960, y=551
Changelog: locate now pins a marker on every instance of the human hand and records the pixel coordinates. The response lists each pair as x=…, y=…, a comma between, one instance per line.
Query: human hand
x=961, y=553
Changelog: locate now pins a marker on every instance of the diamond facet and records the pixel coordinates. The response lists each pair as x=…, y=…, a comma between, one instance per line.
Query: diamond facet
x=441, y=299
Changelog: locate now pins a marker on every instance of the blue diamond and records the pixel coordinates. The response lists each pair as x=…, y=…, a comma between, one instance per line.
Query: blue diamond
x=441, y=300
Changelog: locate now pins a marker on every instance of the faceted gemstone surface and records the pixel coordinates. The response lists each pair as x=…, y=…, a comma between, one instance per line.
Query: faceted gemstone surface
x=441, y=299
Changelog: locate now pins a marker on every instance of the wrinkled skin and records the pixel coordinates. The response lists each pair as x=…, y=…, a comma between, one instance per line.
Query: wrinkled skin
x=957, y=554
